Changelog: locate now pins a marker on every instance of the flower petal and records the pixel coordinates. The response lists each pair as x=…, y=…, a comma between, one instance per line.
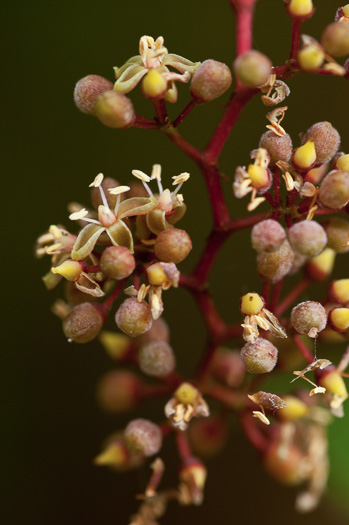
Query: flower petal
x=136, y=206
x=120, y=235
x=135, y=60
x=130, y=78
x=157, y=222
x=86, y=284
x=180, y=63
x=86, y=241
x=177, y=214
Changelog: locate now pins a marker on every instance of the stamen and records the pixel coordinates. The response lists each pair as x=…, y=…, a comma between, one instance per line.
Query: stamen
x=97, y=181
x=117, y=191
x=55, y=231
x=77, y=215
x=156, y=174
x=179, y=180
x=141, y=175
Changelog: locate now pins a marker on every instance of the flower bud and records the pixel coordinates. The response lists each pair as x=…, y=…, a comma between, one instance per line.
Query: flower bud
x=267, y=236
x=307, y=238
x=154, y=85
x=228, y=367
x=251, y=304
x=143, y=437
x=259, y=357
x=326, y=140
x=107, y=183
x=116, y=345
x=311, y=57
x=334, y=190
x=252, y=68
x=83, y=323
x=295, y=409
x=114, y=110
x=273, y=266
x=304, y=157
x=279, y=148
x=134, y=317
x=335, y=39
x=285, y=464
x=114, y=455
x=157, y=359
x=119, y=391
x=339, y=291
x=316, y=174
x=342, y=163
x=319, y=268
x=158, y=331
x=210, y=81
x=172, y=245
x=338, y=319
x=208, y=436
x=87, y=90
x=337, y=231
x=301, y=9
x=309, y=318
x=117, y=262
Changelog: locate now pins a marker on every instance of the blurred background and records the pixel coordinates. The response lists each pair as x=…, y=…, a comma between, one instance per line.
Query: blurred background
x=52, y=426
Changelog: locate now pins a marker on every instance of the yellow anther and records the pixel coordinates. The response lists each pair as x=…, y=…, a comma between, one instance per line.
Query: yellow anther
x=118, y=190
x=55, y=231
x=182, y=177
x=305, y=155
x=77, y=215
x=141, y=176
x=156, y=172
x=70, y=270
x=251, y=304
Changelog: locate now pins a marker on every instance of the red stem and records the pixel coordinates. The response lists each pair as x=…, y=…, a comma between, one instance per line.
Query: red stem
x=224, y=128
x=183, y=446
x=276, y=294
x=108, y=303
x=160, y=110
x=303, y=348
x=188, y=108
x=144, y=123
x=244, y=10
x=292, y=296
x=212, y=248
x=182, y=144
x=254, y=435
x=220, y=212
x=296, y=33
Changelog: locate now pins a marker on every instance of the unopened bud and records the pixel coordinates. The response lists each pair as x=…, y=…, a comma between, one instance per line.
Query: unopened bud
x=311, y=57
x=143, y=437
x=339, y=291
x=172, y=245
x=158, y=331
x=295, y=409
x=309, y=318
x=259, y=357
x=279, y=148
x=208, y=436
x=338, y=319
x=337, y=231
x=304, y=157
x=301, y=9
x=273, y=266
x=134, y=317
x=251, y=303
x=285, y=464
x=267, y=236
x=116, y=345
x=114, y=110
x=210, y=81
x=335, y=39
x=319, y=268
x=83, y=323
x=70, y=270
x=157, y=359
x=87, y=90
x=307, y=238
x=252, y=68
x=119, y=391
x=228, y=367
x=117, y=262
x=154, y=85
x=333, y=382
x=326, y=140
x=334, y=190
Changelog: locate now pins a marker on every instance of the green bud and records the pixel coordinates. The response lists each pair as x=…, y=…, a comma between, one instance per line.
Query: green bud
x=334, y=189
x=252, y=68
x=259, y=357
x=273, y=266
x=267, y=236
x=172, y=245
x=157, y=359
x=114, y=110
x=279, y=148
x=210, y=81
x=309, y=318
x=117, y=262
x=307, y=238
x=337, y=231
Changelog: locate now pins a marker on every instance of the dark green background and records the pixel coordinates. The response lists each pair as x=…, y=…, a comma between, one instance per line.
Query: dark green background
x=51, y=424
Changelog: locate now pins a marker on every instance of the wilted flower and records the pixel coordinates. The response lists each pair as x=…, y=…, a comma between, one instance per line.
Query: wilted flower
x=186, y=403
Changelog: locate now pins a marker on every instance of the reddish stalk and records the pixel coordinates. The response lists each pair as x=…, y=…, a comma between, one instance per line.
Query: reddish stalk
x=92, y=269
x=212, y=248
x=303, y=349
x=292, y=296
x=182, y=144
x=188, y=108
x=266, y=292
x=108, y=303
x=244, y=10
x=220, y=212
x=144, y=123
x=160, y=110
x=226, y=396
x=296, y=34
x=183, y=446
x=276, y=295
x=252, y=432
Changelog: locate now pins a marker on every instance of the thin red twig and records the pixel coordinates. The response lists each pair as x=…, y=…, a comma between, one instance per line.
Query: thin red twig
x=188, y=108
x=292, y=296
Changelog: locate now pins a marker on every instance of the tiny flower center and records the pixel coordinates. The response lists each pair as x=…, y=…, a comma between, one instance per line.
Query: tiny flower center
x=105, y=216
